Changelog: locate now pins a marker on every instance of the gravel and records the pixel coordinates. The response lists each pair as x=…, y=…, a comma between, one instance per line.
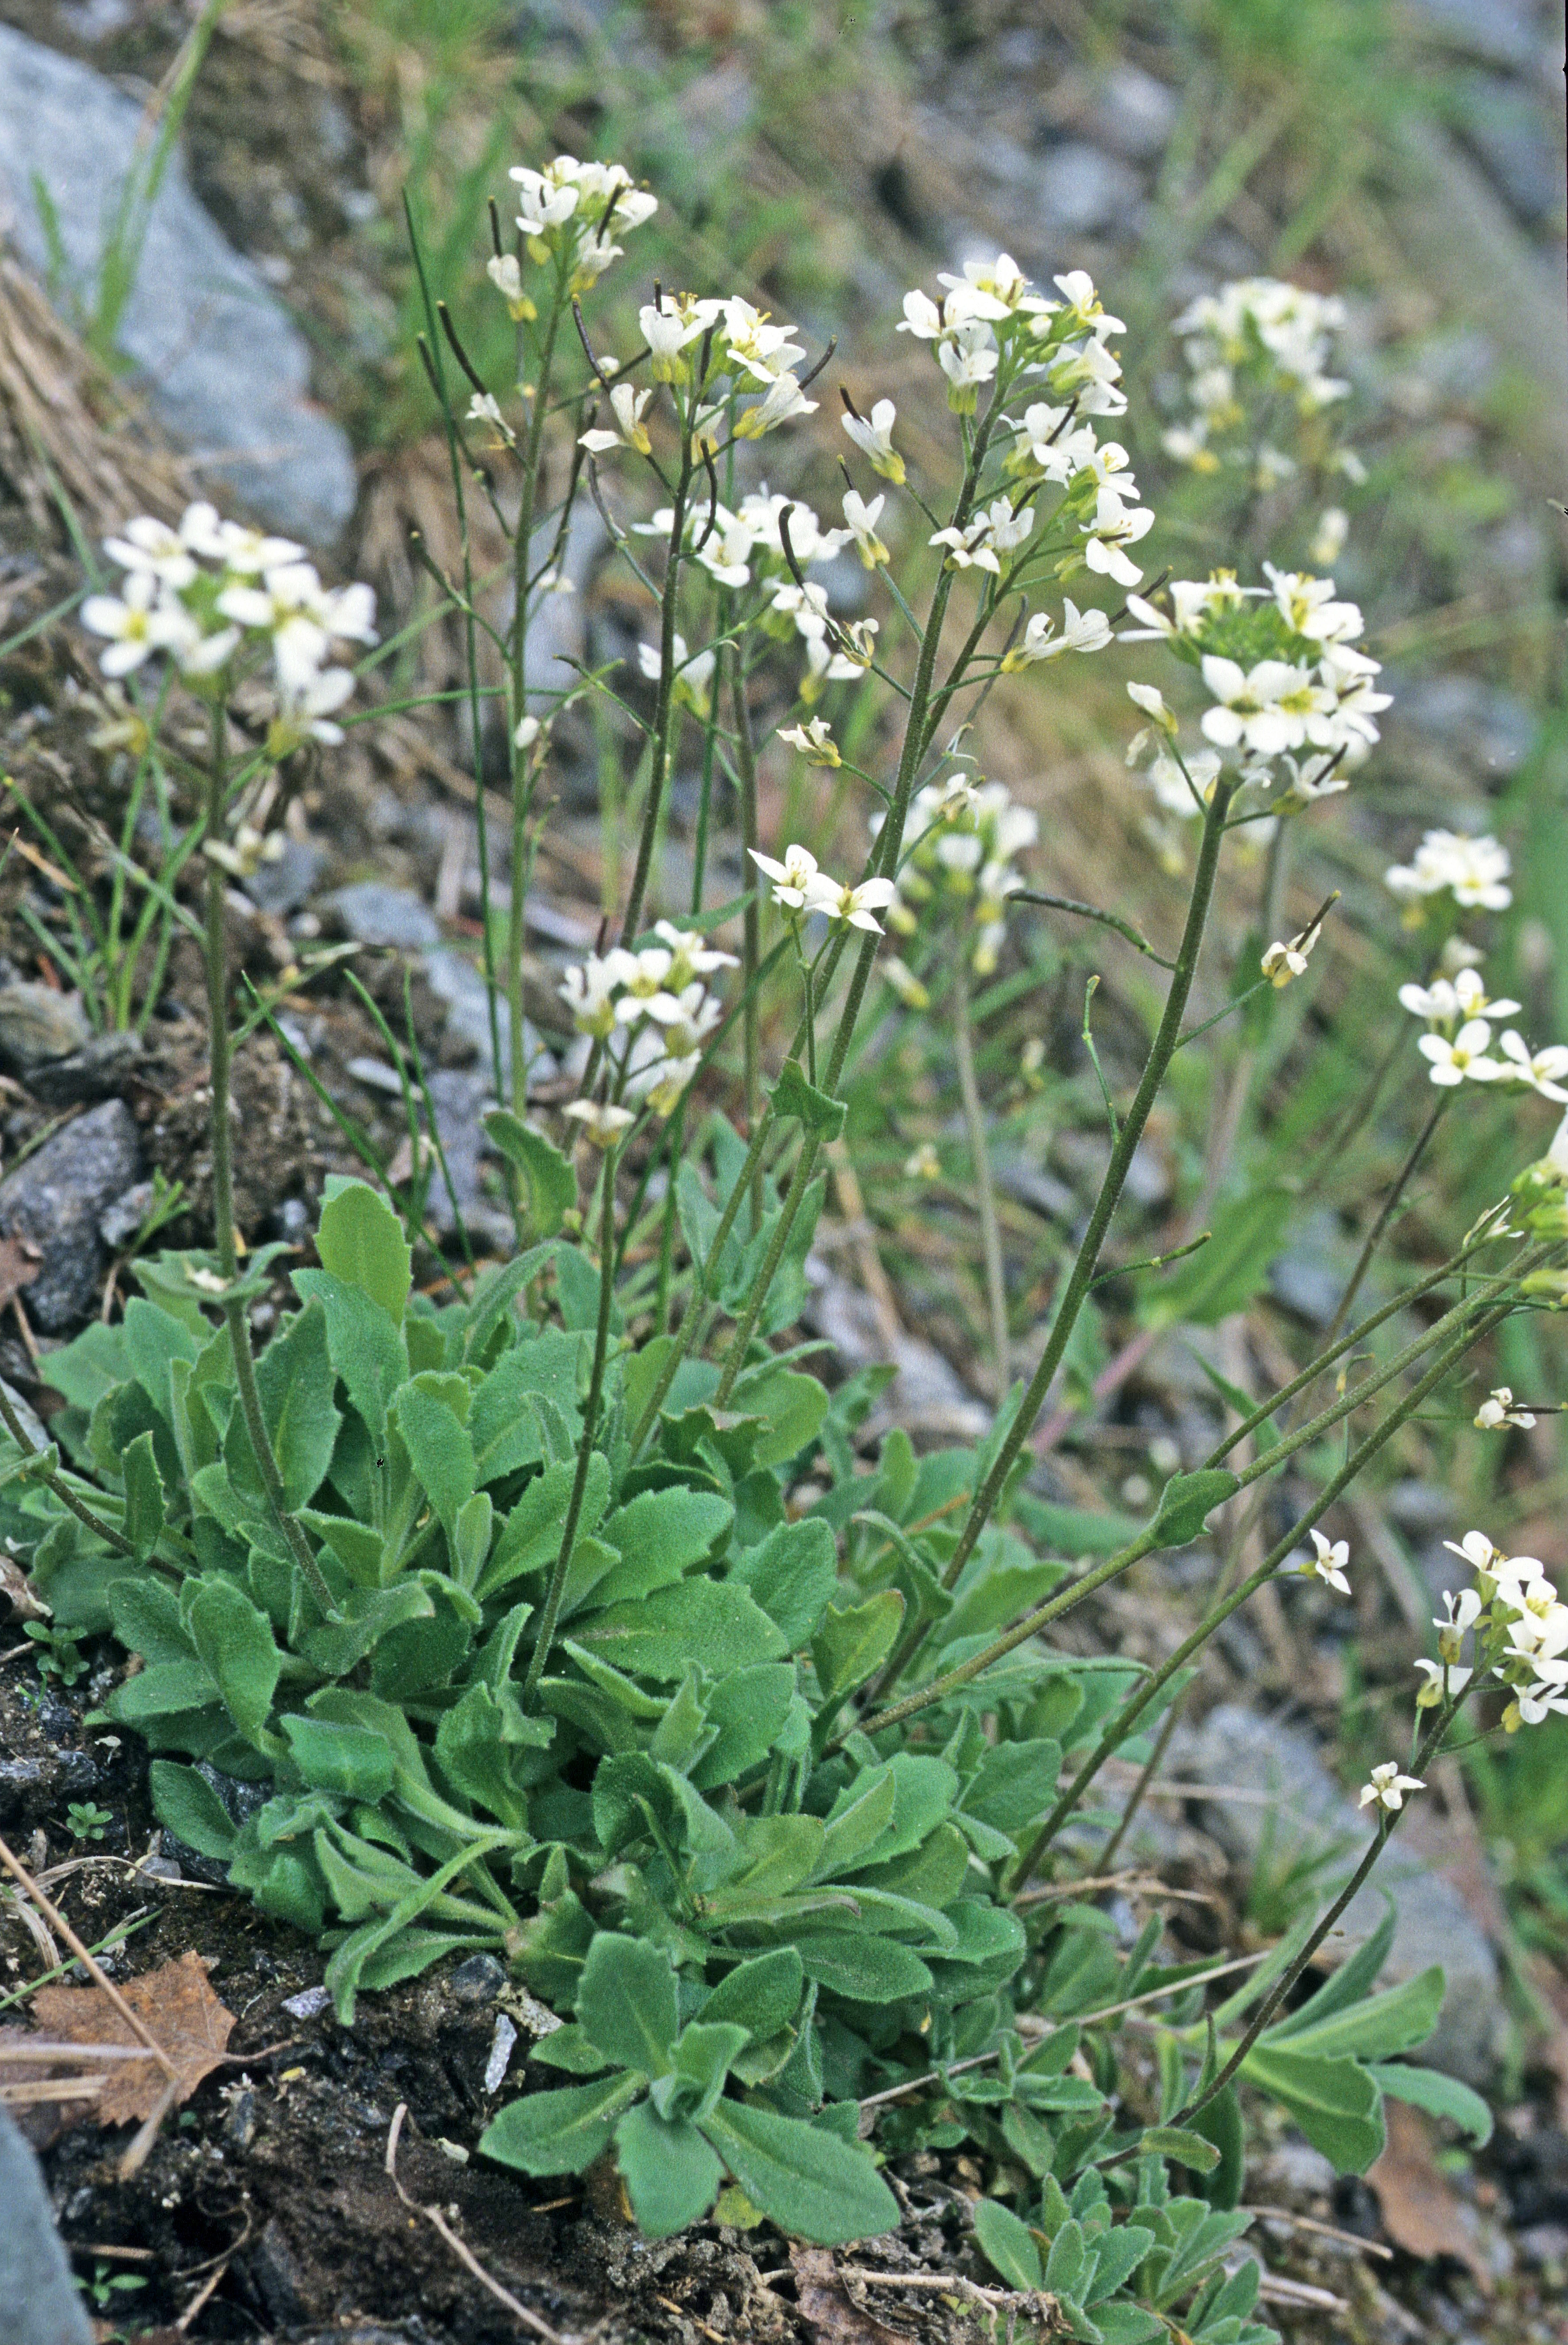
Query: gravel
x=56, y=1196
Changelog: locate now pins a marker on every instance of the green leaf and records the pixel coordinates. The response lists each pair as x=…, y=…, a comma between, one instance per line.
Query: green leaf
x=1014, y=1784
x=560, y=2132
x=672, y=2175
x=701, y=2062
x=237, y=1643
x=294, y=1378
x=854, y=1641
x=185, y=1804
x=818, y=1110
x=547, y=1176
x=1220, y=2123
x=1352, y=1981
x=1428, y=2090
x=658, y=1537
x=803, y=2179
x=1188, y=1500
x=861, y=1968
x=1008, y=2245
x=1336, y=2103
x=144, y=1495
x=1118, y=2253
x=1186, y=2148
x=430, y=1412
x=360, y=1241
x=1226, y=1274
x=763, y=1994
x=1395, y=2021
x=861, y=1815
x=701, y=1621
x=792, y=1575
x=504, y=1422
x=626, y=2003
x=363, y=1343
x=351, y=1760
x=792, y=1407
x=749, y=1707
x=471, y=1534
x=1066, y=2273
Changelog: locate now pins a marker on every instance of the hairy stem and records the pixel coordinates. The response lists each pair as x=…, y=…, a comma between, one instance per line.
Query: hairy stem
x=751, y=928
x=522, y=766
x=551, y=1613
x=665, y=705
x=1385, y=1215
x=980, y=1165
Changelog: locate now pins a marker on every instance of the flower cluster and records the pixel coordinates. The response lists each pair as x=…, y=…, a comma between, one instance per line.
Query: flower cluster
x=962, y=838
x=571, y=212
x=799, y=888
x=206, y=591
x=652, y=1010
x=1284, y=679
x=1474, y=871
x=733, y=341
x=1458, y=1041
x=1519, y=1627
x=1255, y=349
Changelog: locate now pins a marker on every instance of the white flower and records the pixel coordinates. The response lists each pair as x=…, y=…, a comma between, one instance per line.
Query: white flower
x=1082, y=631
x=309, y=711
x=1463, y=1611
x=905, y=985
x=921, y=318
x=1151, y=700
x=1104, y=551
x=1461, y=997
x=137, y=622
x=1537, y=1702
x=1329, y=543
x=785, y=400
x=1307, y=607
x=1444, y=1679
x=627, y=406
x=792, y=879
x=1542, y=1070
x=664, y=1083
x=967, y=357
x=692, y=673
x=924, y=1164
x=669, y=327
x=863, y=519
x=1476, y=1549
x=691, y=951
x=763, y=351
x=1498, y=1410
x=1474, y=869
x=485, y=408
x=1465, y=1056
x=1388, y=1786
x=604, y=1125
x=152, y=547
x=1264, y=709
x=1283, y=962
x=814, y=740
x=970, y=547
x=529, y=729
x=507, y=278
x=588, y=992
x=232, y=543
x=855, y=905
x=1328, y=1562
x=874, y=437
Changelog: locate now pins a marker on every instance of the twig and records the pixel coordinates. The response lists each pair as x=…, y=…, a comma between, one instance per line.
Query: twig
x=950, y=2283
x=1322, y=2230
x=1274, y=2288
x=470, y=2262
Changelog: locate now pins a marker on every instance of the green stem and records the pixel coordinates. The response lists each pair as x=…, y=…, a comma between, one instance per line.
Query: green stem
x=1386, y=1212
x=546, y=1637
x=751, y=919
x=980, y=1164
x=1354, y=1464
x=55, y=1483
x=523, y=768
x=665, y=705
x=223, y=1178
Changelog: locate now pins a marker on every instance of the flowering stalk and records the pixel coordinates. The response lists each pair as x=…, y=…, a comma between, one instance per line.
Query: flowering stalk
x=664, y=705
x=551, y=1613
x=1122, y=1725
x=750, y=919
x=980, y=1164
x=220, y=1060
x=1385, y=1215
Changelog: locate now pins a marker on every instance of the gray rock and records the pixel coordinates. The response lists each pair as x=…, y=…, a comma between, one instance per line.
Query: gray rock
x=1132, y=113
x=373, y=913
x=55, y=1197
x=38, y=1024
x=1485, y=728
x=32, y=1425
x=1084, y=191
x=282, y=887
x=478, y=1980
x=38, y=2300
x=1500, y=30
x=928, y=1397
x=1233, y=1747
x=97, y=1070
x=1516, y=140
x=118, y=1225
x=226, y=370
x=1309, y=1276
x=460, y=1096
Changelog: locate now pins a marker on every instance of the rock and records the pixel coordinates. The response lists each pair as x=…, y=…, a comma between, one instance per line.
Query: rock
x=373, y=913
x=1516, y=141
x=97, y=1070
x=31, y=1423
x=38, y=1025
x=1017, y=1178
x=38, y=2300
x=55, y=1197
x=1500, y=30
x=1434, y=1925
x=1312, y=1274
x=283, y=885
x=458, y=1096
x=1488, y=730
x=1132, y=113
x=223, y=366
x=928, y=1397
x=119, y=1223
x=478, y=1980
x=1083, y=191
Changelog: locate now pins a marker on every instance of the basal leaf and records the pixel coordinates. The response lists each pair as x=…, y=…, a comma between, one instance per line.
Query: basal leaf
x=184, y=1803
x=1008, y=2245
x=1336, y=2103
x=236, y=1644
x=803, y=2179
x=854, y=1640
x=560, y=2132
x=672, y=2174
x=360, y=1239
x=548, y=1176
x=626, y=2003
x=705, y=1621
